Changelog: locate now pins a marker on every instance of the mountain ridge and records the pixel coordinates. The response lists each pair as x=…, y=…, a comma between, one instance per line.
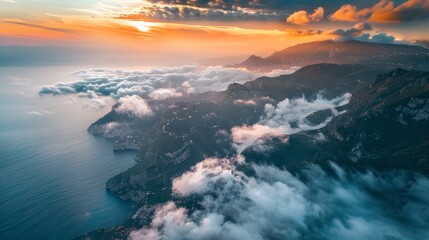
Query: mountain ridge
x=384, y=123
x=379, y=55
x=383, y=127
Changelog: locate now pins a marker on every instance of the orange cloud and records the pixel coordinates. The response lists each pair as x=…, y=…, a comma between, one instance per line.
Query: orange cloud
x=384, y=11
x=303, y=17
x=189, y=41
x=102, y=29
x=349, y=13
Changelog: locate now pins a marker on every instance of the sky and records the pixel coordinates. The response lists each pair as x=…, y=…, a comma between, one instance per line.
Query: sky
x=171, y=32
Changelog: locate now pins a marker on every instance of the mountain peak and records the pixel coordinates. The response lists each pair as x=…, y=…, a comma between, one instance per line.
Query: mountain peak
x=238, y=91
x=254, y=60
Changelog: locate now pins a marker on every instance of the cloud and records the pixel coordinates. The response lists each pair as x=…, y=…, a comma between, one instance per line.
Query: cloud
x=249, y=102
x=39, y=112
x=134, y=105
x=168, y=82
x=278, y=72
x=384, y=11
x=39, y=26
x=71, y=100
x=187, y=88
x=356, y=31
x=59, y=88
x=360, y=32
x=245, y=136
x=112, y=129
x=197, y=181
x=350, y=13
x=287, y=117
x=95, y=102
x=221, y=10
x=303, y=17
x=303, y=33
x=272, y=203
x=189, y=12
x=164, y=93
x=383, y=38
x=223, y=4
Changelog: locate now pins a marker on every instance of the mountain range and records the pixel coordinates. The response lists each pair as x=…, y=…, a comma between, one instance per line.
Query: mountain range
x=384, y=126
x=377, y=55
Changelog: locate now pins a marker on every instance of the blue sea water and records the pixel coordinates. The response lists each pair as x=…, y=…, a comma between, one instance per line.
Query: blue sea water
x=52, y=172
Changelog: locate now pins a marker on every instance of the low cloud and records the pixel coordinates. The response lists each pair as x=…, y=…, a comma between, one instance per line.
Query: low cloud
x=134, y=105
x=274, y=204
x=245, y=136
x=303, y=33
x=39, y=112
x=249, y=102
x=361, y=32
x=384, y=11
x=287, y=117
x=303, y=17
x=197, y=180
x=95, y=102
x=71, y=100
x=383, y=38
x=278, y=72
x=155, y=83
x=356, y=31
x=164, y=93
x=112, y=129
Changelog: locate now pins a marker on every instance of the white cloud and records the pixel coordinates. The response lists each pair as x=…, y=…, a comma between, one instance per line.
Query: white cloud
x=71, y=100
x=95, y=104
x=134, y=105
x=39, y=112
x=278, y=72
x=156, y=84
x=197, y=180
x=183, y=80
x=303, y=17
x=164, y=93
x=287, y=117
x=274, y=204
x=245, y=136
x=187, y=88
x=245, y=102
x=89, y=94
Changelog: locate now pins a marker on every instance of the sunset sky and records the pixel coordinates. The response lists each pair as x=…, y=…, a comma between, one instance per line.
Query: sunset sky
x=179, y=31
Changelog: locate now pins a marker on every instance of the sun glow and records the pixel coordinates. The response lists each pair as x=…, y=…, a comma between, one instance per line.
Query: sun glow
x=142, y=26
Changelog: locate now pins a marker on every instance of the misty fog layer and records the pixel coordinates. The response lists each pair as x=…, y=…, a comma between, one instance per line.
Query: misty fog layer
x=272, y=203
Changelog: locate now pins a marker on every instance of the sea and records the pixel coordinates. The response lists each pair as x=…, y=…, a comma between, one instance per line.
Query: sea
x=52, y=171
